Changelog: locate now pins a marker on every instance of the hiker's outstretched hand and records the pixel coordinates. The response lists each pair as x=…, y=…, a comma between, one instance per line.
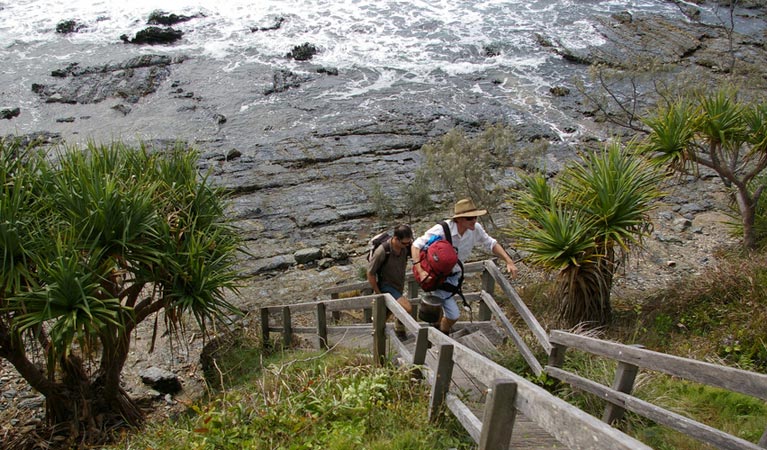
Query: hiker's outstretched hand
x=512, y=269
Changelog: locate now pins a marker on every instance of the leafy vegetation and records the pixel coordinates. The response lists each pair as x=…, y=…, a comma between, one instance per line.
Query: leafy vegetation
x=93, y=244
x=584, y=226
x=718, y=131
x=469, y=167
x=338, y=400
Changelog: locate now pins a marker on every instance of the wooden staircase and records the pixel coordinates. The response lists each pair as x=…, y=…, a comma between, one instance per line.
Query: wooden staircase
x=498, y=408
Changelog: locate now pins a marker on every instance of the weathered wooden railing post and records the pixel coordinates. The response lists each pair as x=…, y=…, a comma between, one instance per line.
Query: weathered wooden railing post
x=441, y=384
x=379, y=330
x=488, y=285
x=336, y=314
x=367, y=315
x=412, y=293
x=287, y=328
x=322, y=325
x=421, y=347
x=557, y=355
x=265, y=339
x=625, y=374
x=498, y=419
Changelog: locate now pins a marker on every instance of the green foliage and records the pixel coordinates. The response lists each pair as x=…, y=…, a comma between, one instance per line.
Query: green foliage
x=93, y=244
x=335, y=401
x=470, y=167
x=718, y=131
x=585, y=224
x=720, y=313
x=383, y=204
x=417, y=195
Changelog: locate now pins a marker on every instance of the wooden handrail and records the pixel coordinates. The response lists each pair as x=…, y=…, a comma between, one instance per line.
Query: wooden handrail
x=737, y=380
x=631, y=359
x=568, y=424
x=538, y=331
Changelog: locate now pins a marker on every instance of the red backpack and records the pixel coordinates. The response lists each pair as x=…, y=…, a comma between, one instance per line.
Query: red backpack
x=437, y=258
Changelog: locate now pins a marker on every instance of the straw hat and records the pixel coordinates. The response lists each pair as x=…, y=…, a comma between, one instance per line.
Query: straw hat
x=466, y=208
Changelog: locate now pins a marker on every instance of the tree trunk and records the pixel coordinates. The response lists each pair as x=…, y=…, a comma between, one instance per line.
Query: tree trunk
x=747, y=207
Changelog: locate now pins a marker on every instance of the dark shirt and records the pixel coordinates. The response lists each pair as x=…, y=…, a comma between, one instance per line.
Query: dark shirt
x=391, y=273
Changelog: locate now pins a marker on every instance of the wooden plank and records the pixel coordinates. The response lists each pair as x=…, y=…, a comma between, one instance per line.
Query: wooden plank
x=749, y=383
x=524, y=350
x=341, y=304
x=322, y=326
x=399, y=346
x=519, y=305
x=488, y=285
x=678, y=422
x=472, y=267
x=498, y=420
x=379, y=328
x=441, y=386
x=478, y=342
x=399, y=312
x=287, y=334
x=265, y=339
x=569, y=425
x=421, y=347
x=465, y=415
x=360, y=328
x=625, y=374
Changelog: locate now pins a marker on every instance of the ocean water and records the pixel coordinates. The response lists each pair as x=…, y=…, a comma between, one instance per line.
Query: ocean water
x=400, y=39
x=407, y=46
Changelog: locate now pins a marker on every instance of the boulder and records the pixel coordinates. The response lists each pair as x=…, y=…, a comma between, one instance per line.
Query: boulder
x=158, y=17
x=68, y=26
x=161, y=380
x=303, y=52
x=154, y=35
x=9, y=113
x=307, y=255
x=284, y=79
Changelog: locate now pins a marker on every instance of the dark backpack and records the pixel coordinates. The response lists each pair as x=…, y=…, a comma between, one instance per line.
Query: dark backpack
x=379, y=239
x=437, y=259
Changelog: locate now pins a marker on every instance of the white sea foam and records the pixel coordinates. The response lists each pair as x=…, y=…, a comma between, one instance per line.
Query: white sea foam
x=408, y=43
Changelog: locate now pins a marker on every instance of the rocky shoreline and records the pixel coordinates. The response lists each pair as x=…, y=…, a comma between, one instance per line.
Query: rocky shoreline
x=302, y=180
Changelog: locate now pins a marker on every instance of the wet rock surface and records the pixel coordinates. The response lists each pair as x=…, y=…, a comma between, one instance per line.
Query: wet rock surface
x=301, y=165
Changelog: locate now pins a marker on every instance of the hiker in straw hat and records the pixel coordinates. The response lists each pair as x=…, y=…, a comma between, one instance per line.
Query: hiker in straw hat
x=466, y=233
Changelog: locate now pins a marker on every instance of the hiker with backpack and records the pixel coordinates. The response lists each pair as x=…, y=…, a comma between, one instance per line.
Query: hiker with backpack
x=430, y=256
x=387, y=261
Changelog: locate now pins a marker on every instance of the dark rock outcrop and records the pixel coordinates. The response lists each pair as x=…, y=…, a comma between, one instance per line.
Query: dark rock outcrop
x=153, y=36
x=303, y=52
x=161, y=380
x=268, y=23
x=9, y=113
x=68, y=26
x=284, y=79
x=129, y=80
x=159, y=17
x=633, y=40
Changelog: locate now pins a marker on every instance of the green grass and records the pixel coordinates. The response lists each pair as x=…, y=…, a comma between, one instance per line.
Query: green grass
x=339, y=400
x=716, y=317
x=306, y=400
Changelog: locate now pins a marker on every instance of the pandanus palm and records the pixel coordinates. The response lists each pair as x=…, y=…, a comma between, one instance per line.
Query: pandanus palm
x=584, y=225
x=92, y=245
x=718, y=131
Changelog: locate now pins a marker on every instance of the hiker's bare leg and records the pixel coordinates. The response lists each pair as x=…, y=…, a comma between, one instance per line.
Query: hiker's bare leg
x=445, y=325
x=405, y=303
